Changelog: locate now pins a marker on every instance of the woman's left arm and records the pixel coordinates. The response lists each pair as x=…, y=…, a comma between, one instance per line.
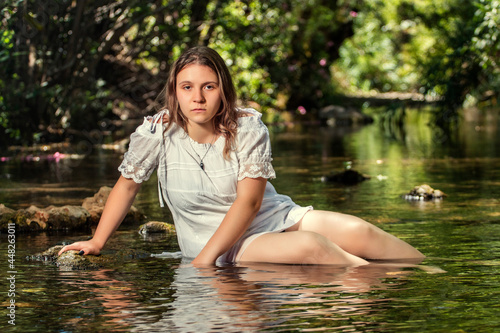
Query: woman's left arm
x=249, y=195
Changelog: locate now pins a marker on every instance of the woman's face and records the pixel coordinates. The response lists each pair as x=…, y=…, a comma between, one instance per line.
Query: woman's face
x=199, y=95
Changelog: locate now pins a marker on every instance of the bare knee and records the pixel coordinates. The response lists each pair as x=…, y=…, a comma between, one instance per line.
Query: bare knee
x=357, y=235
x=336, y=226
x=361, y=229
x=312, y=244
x=368, y=241
x=317, y=249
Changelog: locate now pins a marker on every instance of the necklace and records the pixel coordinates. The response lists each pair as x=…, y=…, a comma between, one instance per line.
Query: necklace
x=202, y=165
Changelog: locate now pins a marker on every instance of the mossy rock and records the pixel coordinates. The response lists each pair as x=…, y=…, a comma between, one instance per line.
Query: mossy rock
x=72, y=260
x=67, y=217
x=50, y=218
x=62, y=218
x=7, y=216
x=95, y=206
x=156, y=227
x=424, y=193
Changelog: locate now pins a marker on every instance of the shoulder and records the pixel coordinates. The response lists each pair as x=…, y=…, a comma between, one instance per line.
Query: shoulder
x=248, y=112
x=153, y=126
x=250, y=120
x=252, y=134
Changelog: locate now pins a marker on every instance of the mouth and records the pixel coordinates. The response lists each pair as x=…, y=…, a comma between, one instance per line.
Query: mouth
x=198, y=110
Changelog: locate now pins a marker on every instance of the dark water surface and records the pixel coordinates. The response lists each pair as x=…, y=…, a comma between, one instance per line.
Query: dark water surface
x=456, y=289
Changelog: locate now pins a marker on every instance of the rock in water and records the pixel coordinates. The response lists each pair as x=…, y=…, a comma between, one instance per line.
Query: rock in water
x=95, y=206
x=67, y=217
x=156, y=227
x=347, y=177
x=71, y=260
x=50, y=218
x=424, y=193
x=62, y=218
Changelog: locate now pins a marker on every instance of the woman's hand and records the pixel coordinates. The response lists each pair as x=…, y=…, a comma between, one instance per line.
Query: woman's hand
x=88, y=247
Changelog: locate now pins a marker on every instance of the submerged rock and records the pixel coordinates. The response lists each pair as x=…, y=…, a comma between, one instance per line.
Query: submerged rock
x=156, y=227
x=423, y=193
x=347, y=177
x=72, y=260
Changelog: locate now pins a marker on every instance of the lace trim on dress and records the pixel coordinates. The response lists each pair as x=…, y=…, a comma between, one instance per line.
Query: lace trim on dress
x=257, y=170
x=137, y=171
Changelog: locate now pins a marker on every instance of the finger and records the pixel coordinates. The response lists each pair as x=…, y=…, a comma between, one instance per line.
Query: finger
x=63, y=249
x=73, y=246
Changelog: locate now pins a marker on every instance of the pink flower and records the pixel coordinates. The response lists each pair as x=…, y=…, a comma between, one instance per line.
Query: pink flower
x=58, y=156
x=322, y=62
x=302, y=110
x=353, y=13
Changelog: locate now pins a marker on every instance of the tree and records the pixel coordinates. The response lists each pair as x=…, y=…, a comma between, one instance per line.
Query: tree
x=67, y=64
x=64, y=63
x=464, y=62
x=287, y=46
x=446, y=49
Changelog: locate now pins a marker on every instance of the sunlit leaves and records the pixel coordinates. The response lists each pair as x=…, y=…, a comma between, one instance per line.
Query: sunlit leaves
x=432, y=46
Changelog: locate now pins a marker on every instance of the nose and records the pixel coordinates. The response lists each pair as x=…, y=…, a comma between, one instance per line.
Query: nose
x=198, y=96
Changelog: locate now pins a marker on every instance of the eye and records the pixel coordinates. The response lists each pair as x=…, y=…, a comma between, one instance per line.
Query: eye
x=186, y=87
x=210, y=87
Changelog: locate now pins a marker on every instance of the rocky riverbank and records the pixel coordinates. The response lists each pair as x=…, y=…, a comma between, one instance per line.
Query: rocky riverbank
x=62, y=218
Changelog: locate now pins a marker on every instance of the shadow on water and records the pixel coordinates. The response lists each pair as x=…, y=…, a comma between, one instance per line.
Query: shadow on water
x=456, y=288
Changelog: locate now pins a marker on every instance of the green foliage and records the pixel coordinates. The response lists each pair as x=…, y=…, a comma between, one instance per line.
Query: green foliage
x=280, y=51
x=446, y=49
x=462, y=61
x=66, y=64
x=380, y=56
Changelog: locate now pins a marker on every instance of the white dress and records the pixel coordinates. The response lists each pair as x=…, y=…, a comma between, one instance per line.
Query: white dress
x=200, y=198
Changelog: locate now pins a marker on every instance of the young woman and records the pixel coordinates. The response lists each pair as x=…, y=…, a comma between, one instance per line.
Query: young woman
x=213, y=161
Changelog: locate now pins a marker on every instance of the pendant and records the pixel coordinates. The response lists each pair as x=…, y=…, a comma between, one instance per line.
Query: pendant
x=202, y=166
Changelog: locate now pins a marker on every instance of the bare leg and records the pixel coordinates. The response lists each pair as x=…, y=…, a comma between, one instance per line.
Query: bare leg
x=298, y=247
x=356, y=236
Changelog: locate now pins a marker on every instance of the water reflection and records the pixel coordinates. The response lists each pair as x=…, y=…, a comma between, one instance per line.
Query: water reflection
x=257, y=297
x=110, y=298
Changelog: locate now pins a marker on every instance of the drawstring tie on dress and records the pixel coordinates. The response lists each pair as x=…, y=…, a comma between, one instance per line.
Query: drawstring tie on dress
x=155, y=120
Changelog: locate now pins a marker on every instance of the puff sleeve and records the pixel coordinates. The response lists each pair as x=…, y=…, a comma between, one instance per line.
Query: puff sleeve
x=254, y=148
x=144, y=151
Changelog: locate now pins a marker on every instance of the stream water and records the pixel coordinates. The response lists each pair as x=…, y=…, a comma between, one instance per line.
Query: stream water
x=455, y=289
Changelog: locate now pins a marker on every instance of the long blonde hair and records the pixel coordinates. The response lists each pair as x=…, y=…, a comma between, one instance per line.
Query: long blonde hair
x=226, y=119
